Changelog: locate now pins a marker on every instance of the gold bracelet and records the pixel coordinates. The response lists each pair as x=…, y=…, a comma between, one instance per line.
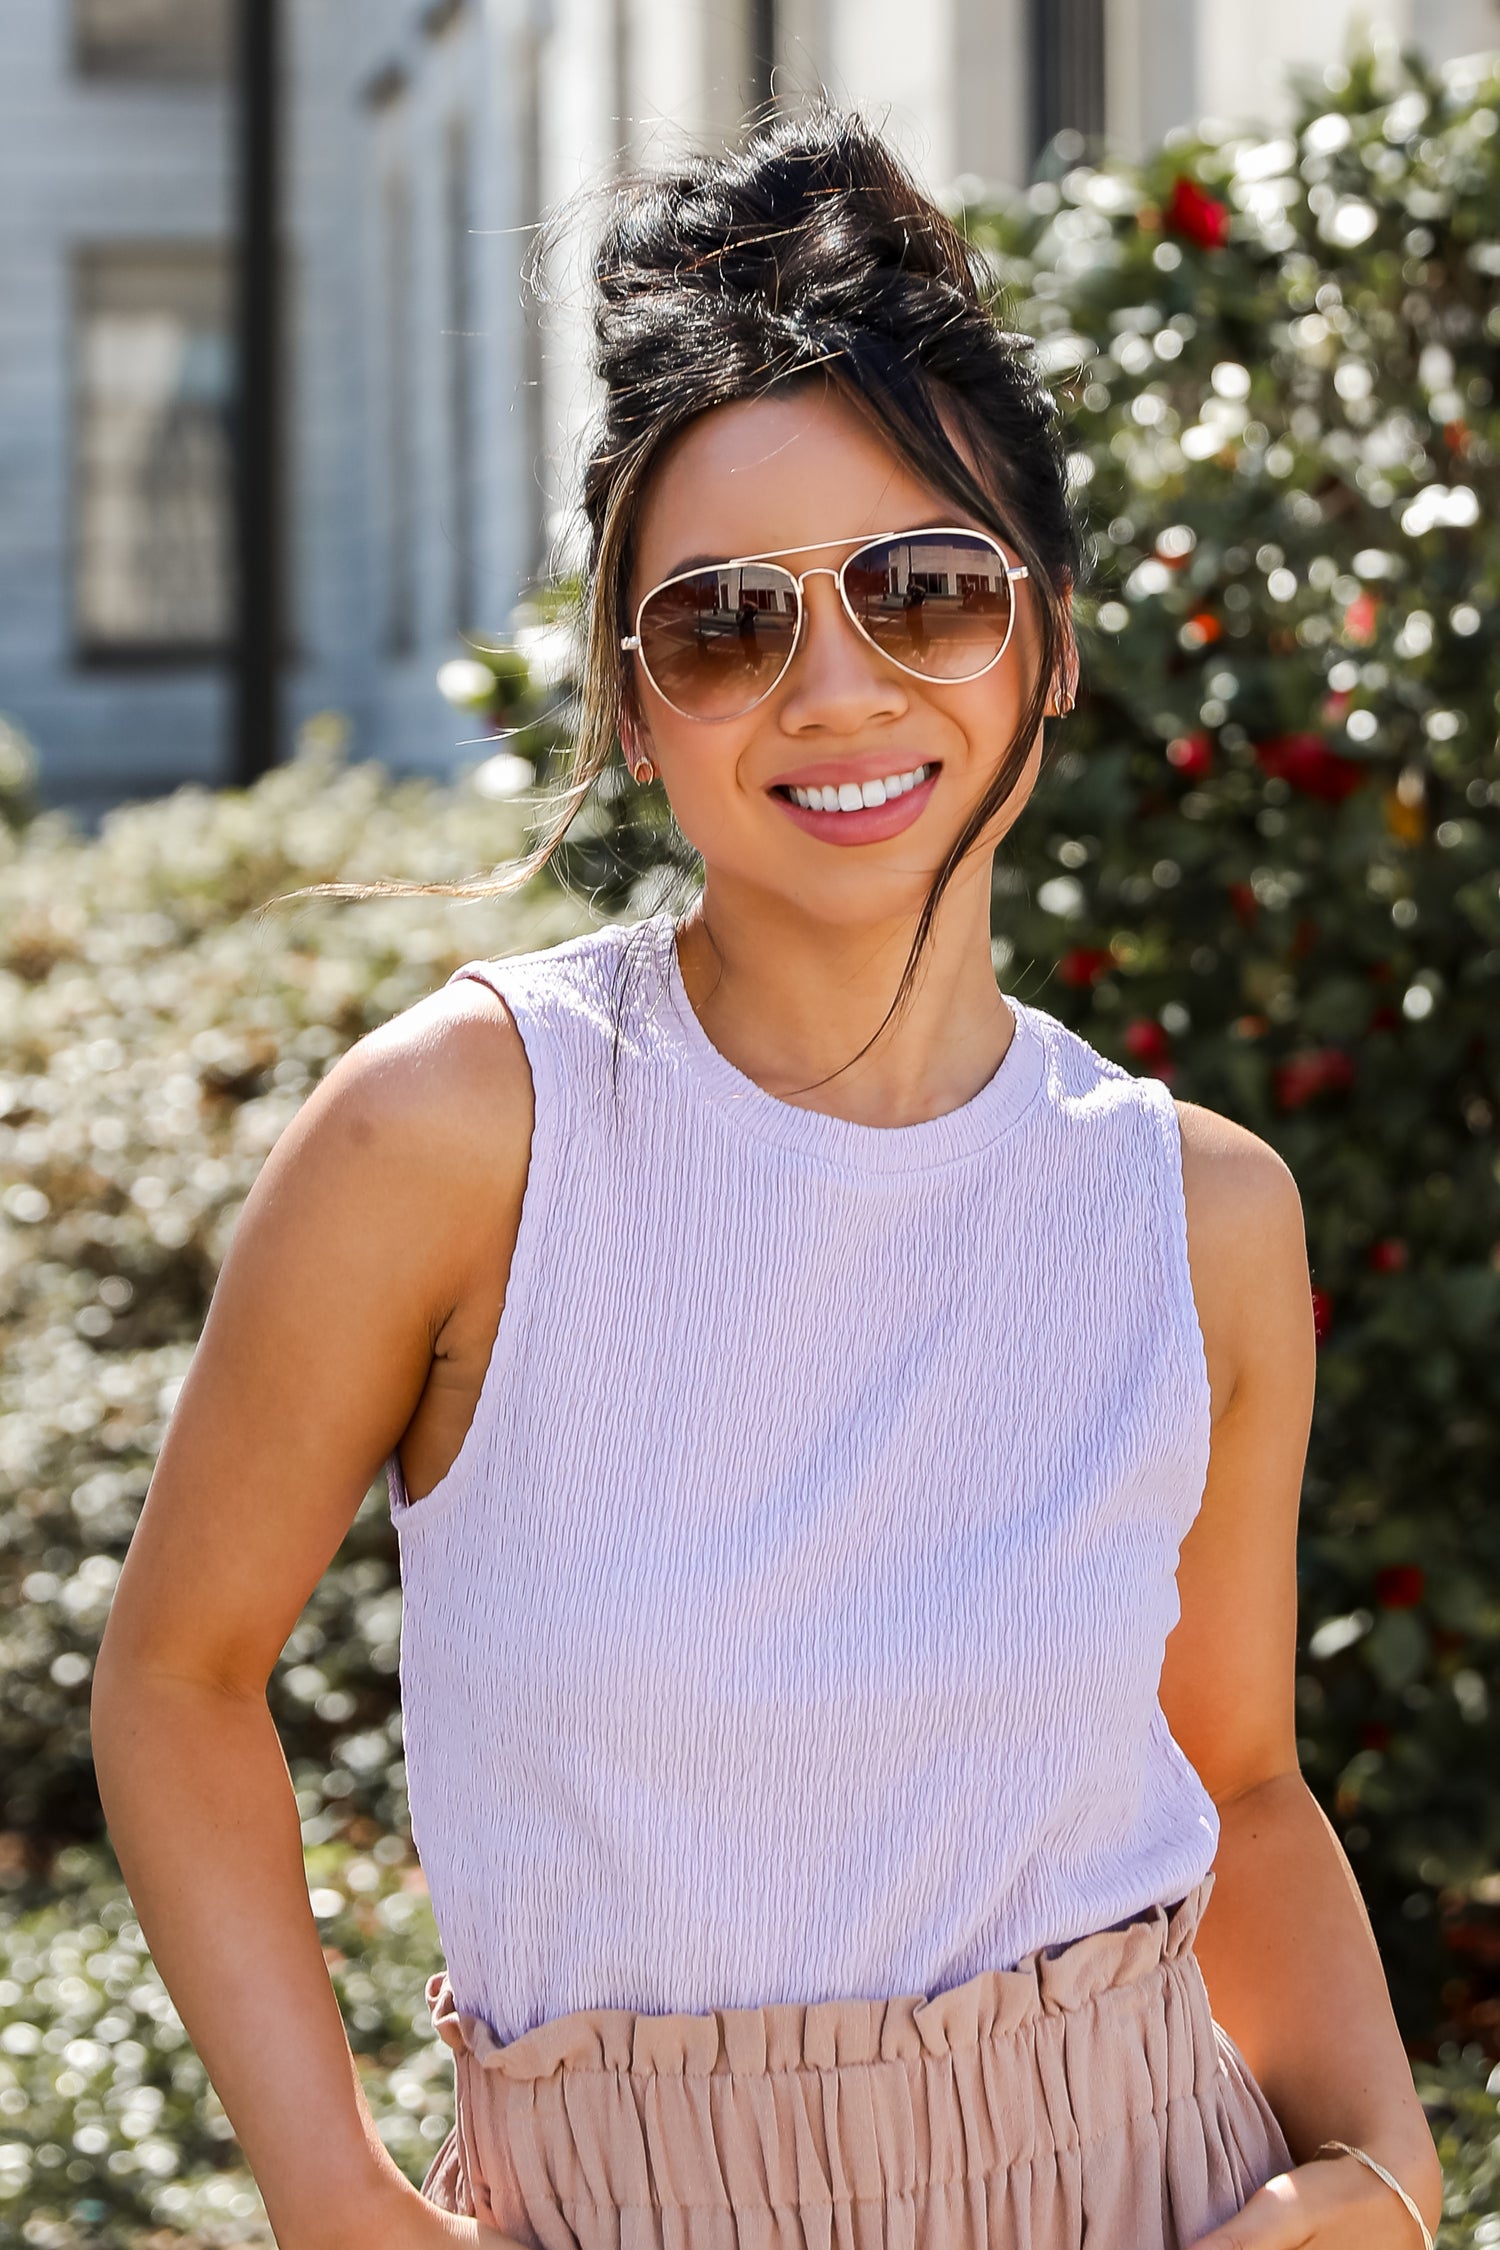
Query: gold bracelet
x=1342, y=2148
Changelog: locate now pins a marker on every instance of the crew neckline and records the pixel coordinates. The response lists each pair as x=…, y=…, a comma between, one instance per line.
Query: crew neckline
x=976, y=1124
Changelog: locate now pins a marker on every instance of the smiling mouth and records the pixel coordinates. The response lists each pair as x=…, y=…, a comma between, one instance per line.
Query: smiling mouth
x=854, y=796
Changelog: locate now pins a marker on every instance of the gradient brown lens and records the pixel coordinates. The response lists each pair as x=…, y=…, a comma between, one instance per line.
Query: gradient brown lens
x=938, y=602
x=717, y=640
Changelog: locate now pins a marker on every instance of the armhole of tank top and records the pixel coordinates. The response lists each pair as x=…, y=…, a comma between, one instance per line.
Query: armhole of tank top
x=1192, y=1344
x=521, y=1281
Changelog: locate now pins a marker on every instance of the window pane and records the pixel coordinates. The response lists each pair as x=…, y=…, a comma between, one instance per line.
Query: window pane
x=152, y=38
x=152, y=480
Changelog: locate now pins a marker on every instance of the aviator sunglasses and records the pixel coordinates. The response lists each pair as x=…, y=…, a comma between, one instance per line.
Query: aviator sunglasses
x=717, y=639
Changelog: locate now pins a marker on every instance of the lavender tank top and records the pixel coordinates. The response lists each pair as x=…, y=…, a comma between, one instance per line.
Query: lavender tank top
x=790, y=1623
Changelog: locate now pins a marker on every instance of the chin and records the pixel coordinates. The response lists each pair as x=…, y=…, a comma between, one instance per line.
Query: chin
x=856, y=904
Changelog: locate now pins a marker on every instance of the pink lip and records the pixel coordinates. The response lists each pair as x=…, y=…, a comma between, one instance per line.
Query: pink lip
x=870, y=825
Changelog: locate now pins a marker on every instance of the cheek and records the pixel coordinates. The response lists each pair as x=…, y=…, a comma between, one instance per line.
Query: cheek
x=986, y=713
x=700, y=770
x=988, y=725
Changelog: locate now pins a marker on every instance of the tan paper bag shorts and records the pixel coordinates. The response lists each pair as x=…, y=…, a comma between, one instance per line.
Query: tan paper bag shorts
x=1084, y=2097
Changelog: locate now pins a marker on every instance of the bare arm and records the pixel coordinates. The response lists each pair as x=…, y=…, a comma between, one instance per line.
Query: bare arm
x=395, y=1186
x=1285, y=1945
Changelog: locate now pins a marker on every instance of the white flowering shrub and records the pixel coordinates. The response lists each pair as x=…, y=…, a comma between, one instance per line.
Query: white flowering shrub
x=156, y=1034
x=109, y=2129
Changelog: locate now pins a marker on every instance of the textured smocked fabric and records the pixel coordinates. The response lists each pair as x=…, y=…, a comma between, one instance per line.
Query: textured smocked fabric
x=1085, y=2096
x=789, y=1626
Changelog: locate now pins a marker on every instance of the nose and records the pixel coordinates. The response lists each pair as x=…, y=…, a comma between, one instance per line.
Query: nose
x=837, y=682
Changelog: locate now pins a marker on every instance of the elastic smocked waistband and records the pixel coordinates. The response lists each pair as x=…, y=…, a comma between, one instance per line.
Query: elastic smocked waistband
x=829, y=2034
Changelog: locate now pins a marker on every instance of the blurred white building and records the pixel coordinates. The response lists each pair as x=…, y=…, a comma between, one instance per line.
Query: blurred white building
x=432, y=412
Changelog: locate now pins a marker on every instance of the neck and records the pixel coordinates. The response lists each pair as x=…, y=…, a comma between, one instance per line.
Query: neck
x=789, y=999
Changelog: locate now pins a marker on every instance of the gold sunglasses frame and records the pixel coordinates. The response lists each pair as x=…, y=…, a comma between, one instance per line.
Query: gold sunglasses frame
x=1014, y=572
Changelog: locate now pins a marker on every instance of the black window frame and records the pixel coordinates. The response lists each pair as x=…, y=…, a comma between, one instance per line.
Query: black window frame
x=1065, y=72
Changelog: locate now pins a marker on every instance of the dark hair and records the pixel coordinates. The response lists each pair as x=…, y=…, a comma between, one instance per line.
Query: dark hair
x=807, y=254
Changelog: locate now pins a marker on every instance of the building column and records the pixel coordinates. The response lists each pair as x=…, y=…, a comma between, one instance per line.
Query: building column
x=1150, y=70
x=990, y=99
x=895, y=61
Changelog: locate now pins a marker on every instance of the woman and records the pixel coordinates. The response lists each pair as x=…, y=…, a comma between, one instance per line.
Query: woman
x=845, y=1433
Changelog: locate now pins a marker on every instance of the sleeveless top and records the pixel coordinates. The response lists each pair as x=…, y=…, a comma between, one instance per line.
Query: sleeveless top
x=790, y=1624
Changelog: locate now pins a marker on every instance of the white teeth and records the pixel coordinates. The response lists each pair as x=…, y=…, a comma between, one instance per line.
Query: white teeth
x=851, y=796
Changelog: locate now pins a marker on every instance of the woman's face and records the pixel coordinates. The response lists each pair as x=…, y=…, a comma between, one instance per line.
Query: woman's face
x=784, y=476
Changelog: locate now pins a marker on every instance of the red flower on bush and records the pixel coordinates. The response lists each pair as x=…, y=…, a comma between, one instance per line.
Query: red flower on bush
x=1305, y=936
x=1307, y=763
x=1085, y=964
x=1196, y=215
x=1322, y=1307
x=1400, y=1585
x=1386, y=1018
x=1375, y=1735
x=1192, y=755
x=1318, y=1070
x=1388, y=1255
x=1245, y=903
x=1359, y=620
x=1148, y=1042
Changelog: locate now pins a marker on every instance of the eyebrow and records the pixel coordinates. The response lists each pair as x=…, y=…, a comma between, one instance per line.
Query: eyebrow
x=720, y=562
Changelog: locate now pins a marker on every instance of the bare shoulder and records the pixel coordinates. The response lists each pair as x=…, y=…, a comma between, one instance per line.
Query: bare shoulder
x=359, y=1291
x=1246, y=1244
x=417, y=1142
x=1231, y=1171
x=441, y=1095
x=450, y=1073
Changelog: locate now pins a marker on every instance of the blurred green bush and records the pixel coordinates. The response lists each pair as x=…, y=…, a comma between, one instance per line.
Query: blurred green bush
x=1264, y=861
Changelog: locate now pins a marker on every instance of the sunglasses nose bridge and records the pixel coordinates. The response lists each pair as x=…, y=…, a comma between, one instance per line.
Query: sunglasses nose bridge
x=799, y=580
